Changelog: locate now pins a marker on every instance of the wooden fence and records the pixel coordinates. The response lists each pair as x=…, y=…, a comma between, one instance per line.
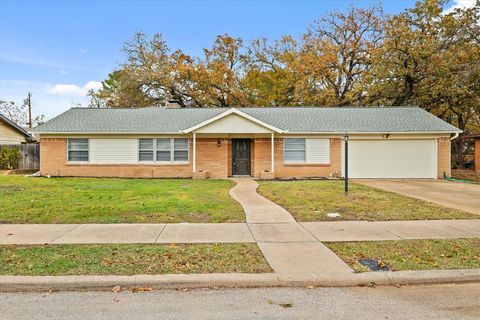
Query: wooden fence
x=29, y=155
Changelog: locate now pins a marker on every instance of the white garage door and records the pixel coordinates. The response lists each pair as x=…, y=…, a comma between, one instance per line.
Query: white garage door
x=392, y=159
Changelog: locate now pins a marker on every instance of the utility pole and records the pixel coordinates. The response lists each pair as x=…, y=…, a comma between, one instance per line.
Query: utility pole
x=29, y=101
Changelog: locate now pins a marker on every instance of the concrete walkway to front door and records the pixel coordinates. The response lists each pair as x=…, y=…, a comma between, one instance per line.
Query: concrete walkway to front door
x=289, y=248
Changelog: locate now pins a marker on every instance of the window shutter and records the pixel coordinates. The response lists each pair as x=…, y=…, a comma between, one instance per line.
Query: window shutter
x=318, y=151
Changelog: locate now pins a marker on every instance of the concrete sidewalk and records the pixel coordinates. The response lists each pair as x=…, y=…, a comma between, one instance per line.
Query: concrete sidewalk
x=237, y=232
x=125, y=233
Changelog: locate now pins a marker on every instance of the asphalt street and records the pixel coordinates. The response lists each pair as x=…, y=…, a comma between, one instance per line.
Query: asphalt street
x=460, y=301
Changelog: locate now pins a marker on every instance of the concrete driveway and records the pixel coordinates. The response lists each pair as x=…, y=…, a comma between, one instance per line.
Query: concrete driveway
x=463, y=196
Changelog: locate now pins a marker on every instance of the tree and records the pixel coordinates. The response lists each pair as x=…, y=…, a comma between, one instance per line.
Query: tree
x=336, y=55
x=120, y=90
x=431, y=59
x=216, y=78
x=16, y=113
x=19, y=113
x=272, y=74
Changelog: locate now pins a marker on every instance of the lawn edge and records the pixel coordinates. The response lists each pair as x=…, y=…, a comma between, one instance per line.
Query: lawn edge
x=236, y=280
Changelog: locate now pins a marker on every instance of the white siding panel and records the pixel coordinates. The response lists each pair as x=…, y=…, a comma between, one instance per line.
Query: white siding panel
x=318, y=150
x=8, y=135
x=113, y=150
x=391, y=159
x=233, y=124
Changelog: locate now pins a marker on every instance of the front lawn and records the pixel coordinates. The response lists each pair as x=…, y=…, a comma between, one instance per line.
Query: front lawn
x=412, y=254
x=312, y=200
x=130, y=259
x=88, y=200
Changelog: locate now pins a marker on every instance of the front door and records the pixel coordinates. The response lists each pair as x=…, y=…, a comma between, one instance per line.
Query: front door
x=241, y=157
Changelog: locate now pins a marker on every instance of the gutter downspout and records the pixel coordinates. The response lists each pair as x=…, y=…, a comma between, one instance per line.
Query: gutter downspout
x=451, y=139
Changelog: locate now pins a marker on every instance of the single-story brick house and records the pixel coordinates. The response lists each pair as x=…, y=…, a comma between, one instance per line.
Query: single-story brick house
x=280, y=142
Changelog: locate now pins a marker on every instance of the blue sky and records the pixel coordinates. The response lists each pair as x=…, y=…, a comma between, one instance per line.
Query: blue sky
x=59, y=49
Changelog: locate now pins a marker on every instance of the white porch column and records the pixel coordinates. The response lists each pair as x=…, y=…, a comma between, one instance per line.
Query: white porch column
x=194, y=151
x=273, y=152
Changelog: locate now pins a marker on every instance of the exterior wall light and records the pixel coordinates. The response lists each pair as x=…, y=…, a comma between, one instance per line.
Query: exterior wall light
x=219, y=143
x=386, y=136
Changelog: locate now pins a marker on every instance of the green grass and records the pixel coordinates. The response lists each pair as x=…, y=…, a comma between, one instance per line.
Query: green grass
x=312, y=200
x=412, y=254
x=131, y=259
x=87, y=200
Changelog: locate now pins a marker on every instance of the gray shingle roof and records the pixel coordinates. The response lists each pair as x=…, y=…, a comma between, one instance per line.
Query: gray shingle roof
x=291, y=119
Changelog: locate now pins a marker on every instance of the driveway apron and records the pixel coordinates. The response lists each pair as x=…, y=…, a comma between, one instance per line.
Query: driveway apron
x=463, y=196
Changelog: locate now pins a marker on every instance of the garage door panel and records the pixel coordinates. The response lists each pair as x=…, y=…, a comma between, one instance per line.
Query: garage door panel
x=392, y=159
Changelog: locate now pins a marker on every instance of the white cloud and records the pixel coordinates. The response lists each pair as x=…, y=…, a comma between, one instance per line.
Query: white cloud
x=95, y=85
x=83, y=51
x=460, y=4
x=43, y=102
x=63, y=72
x=73, y=89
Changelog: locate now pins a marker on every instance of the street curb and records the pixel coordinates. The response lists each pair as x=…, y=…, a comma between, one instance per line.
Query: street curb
x=236, y=280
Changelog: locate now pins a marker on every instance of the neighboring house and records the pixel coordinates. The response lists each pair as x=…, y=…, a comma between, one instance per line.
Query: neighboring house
x=281, y=142
x=12, y=133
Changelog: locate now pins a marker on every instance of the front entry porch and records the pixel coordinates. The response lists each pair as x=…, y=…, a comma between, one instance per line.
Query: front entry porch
x=233, y=155
x=233, y=144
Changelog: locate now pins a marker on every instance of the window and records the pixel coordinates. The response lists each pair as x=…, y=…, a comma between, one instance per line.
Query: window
x=145, y=150
x=180, y=152
x=163, y=150
x=77, y=149
x=300, y=150
x=294, y=150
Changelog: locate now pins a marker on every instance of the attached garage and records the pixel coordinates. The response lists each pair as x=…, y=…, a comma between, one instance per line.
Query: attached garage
x=392, y=158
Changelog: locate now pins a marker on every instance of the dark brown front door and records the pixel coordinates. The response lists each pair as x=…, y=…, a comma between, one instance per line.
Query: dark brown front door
x=241, y=157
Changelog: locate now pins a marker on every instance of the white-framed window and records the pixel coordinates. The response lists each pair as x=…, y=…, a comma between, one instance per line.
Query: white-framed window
x=163, y=150
x=180, y=150
x=77, y=150
x=294, y=150
x=145, y=150
x=301, y=150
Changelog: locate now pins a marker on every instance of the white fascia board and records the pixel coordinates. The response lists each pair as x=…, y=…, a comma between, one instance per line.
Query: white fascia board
x=380, y=132
x=107, y=133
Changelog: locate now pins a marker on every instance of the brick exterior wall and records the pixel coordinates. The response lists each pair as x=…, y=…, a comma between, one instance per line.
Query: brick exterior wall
x=443, y=157
x=53, y=162
x=262, y=161
x=213, y=158
x=216, y=160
